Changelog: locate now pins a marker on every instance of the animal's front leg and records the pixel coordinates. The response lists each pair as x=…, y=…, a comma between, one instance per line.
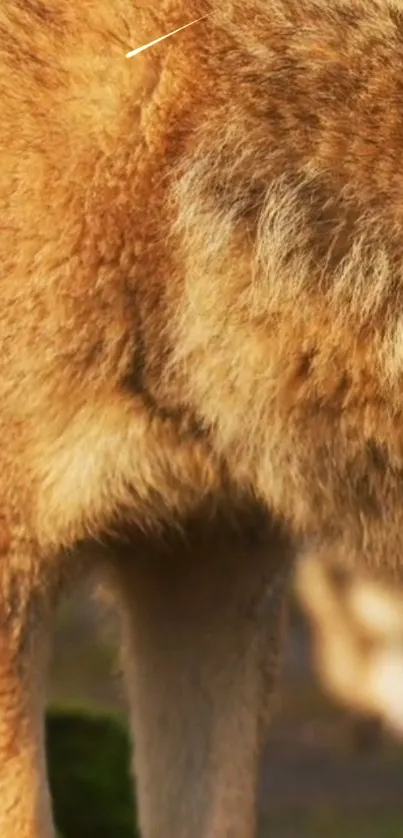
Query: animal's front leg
x=202, y=639
x=25, y=810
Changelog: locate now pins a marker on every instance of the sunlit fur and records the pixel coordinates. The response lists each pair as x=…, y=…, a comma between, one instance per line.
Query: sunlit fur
x=357, y=636
x=200, y=316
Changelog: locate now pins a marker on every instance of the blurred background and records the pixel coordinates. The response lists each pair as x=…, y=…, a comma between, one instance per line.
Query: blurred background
x=332, y=768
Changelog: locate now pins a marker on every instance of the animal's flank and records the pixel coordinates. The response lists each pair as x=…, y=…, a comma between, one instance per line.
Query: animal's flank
x=201, y=302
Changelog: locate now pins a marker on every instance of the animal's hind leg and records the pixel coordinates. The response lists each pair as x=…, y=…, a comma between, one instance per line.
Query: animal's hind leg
x=203, y=620
x=25, y=810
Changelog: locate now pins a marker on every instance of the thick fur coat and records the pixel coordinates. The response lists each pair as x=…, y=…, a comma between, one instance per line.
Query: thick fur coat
x=201, y=310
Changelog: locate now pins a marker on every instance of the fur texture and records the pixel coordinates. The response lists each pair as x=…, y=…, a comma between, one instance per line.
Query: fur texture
x=357, y=634
x=201, y=312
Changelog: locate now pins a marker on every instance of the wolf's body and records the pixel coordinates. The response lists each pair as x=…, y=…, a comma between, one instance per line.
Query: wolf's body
x=201, y=304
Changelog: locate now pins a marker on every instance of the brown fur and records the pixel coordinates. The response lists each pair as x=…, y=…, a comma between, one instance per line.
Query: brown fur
x=357, y=635
x=201, y=300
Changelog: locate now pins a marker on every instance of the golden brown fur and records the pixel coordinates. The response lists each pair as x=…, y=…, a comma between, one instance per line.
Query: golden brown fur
x=201, y=260
x=357, y=635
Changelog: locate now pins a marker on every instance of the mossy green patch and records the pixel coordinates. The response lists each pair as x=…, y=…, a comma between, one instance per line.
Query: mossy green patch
x=89, y=773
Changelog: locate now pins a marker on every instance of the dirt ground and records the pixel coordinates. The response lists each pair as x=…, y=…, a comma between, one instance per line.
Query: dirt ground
x=316, y=782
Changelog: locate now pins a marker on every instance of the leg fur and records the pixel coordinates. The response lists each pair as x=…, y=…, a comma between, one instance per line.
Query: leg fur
x=25, y=810
x=202, y=645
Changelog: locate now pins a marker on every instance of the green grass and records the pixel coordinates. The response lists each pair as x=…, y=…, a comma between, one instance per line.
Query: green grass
x=89, y=773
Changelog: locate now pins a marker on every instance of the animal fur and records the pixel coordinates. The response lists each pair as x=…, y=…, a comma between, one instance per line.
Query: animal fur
x=200, y=314
x=357, y=637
